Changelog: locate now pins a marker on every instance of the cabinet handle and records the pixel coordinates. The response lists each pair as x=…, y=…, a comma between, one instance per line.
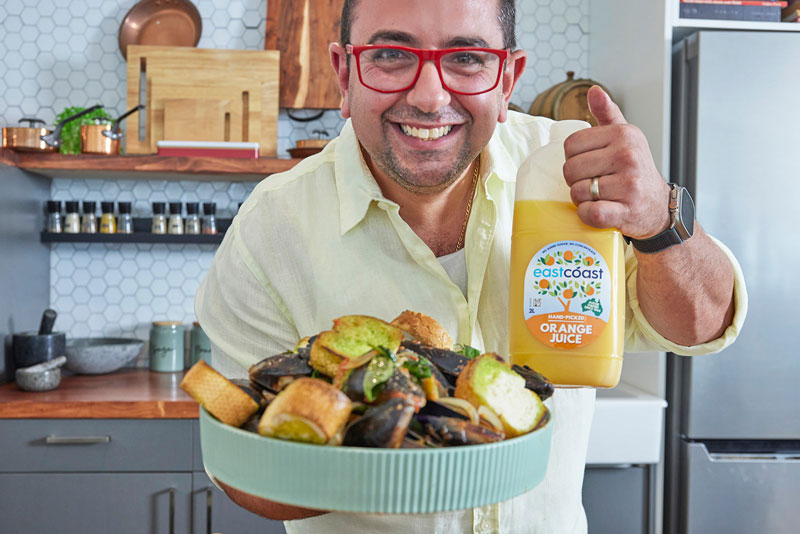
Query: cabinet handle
x=209, y=496
x=76, y=440
x=172, y=511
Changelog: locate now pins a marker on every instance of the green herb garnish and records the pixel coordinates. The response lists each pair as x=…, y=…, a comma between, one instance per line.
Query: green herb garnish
x=468, y=352
x=420, y=369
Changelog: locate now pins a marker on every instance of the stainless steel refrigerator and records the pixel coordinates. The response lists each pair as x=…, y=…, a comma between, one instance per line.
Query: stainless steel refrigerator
x=733, y=422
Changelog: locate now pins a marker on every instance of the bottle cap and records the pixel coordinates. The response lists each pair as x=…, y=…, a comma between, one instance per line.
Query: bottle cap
x=53, y=206
x=175, y=208
x=107, y=207
x=209, y=208
x=89, y=206
x=124, y=207
x=72, y=206
x=158, y=208
x=192, y=208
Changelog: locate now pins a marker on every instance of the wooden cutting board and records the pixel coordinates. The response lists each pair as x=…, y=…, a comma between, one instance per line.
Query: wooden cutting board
x=243, y=107
x=189, y=119
x=196, y=70
x=302, y=31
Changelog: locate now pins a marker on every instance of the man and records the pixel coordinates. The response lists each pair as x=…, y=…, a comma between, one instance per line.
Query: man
x=410, y=208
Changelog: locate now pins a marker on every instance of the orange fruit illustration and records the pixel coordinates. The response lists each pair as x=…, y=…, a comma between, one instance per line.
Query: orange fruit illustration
x=589, y=290
x=549, y=260
x=588, y=261
x=568, y=294
x=568, y=255
x=544, y=284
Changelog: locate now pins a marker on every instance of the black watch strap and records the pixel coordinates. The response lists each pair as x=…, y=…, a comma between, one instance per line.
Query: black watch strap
x=658, y=242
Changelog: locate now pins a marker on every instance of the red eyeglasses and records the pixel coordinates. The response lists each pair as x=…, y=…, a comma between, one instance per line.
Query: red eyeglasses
x=392, y=69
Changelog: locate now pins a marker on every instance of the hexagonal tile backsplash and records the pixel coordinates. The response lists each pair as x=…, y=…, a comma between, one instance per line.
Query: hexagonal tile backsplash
x=59, y=53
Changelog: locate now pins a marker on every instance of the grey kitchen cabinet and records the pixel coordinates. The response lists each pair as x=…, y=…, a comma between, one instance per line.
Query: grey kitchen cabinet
x=619, y=499
x=77, y=503
x=112, y=475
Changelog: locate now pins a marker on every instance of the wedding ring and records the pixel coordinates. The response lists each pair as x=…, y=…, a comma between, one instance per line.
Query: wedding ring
x=594, y=188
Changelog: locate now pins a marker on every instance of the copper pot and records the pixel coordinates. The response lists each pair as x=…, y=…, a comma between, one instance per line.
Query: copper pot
x=104, y=136
x=27, y=139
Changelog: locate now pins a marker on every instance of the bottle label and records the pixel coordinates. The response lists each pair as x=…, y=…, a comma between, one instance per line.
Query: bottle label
x=567, y=295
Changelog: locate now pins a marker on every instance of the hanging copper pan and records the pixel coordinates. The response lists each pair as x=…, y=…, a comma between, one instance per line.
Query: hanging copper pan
x=160, y=22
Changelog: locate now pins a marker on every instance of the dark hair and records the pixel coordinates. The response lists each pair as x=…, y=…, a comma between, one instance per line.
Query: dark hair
x=506, y=16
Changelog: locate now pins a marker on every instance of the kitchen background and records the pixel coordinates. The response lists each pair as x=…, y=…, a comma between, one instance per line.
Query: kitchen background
x=59, y=53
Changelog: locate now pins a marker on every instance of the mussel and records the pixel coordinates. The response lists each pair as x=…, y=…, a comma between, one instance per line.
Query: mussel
x=253, y=391
x=382, y=425
x=534, y=381
x=450, y=363
x=276, y=372
x=401, y=386
x=446, y=431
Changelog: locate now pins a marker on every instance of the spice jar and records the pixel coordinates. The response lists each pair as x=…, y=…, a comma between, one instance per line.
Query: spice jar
x=107, y=222
x=210, y=218
x=166, y=347
x=89, y=221
x=192, y=223
x=72, y=221
x=175, y=224
x=54, y=221
x=159, y=225
x=125, y=221
x=199, y=345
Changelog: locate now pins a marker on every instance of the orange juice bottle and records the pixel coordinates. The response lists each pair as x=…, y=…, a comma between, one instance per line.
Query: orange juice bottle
x=567, y=292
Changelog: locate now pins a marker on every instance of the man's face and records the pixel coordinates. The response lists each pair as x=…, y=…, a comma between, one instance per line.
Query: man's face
x=383, y=121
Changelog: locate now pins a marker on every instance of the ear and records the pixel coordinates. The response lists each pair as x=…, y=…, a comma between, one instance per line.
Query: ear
x=515, y=66
x=339, y=63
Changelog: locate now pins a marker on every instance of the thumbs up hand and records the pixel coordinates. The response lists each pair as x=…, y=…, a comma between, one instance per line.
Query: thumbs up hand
x=629, y=193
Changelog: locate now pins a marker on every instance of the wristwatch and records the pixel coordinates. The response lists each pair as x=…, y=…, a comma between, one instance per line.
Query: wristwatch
x=681, y=227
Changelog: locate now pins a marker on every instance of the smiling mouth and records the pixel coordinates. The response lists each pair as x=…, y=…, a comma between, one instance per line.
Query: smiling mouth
x=426, y=134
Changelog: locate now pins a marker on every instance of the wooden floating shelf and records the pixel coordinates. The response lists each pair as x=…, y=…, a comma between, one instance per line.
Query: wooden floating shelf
x=145, y=167
x=141, y=234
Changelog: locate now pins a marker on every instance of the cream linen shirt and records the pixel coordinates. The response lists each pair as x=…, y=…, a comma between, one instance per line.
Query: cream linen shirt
x=320, y=241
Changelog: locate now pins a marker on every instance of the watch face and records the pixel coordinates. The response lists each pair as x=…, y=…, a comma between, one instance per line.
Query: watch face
x=687, y=212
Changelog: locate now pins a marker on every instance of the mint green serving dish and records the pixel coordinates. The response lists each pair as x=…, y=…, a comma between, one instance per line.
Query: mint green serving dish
x=358, y=479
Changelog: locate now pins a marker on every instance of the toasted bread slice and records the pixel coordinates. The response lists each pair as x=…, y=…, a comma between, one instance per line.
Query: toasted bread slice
x=424, y=329
x=489, y=381
x=222, y=398
x=352, y=336
x=308, y=410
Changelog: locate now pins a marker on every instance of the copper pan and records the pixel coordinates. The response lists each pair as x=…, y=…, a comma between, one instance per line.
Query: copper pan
x=160, y=22
x=27, y=139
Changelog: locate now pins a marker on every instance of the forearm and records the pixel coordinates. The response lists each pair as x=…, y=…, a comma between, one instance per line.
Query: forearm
x=265, y=508
x=686, y=291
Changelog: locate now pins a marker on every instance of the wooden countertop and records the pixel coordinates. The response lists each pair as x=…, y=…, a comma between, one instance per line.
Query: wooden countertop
x=125, y=394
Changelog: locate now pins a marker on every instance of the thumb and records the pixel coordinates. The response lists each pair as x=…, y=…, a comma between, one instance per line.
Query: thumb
x=604, y=109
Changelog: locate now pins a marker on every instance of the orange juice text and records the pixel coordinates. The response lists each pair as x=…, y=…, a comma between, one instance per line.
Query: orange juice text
x=567, y=295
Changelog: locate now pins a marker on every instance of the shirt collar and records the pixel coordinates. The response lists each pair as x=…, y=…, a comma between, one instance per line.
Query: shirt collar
x=357, y=188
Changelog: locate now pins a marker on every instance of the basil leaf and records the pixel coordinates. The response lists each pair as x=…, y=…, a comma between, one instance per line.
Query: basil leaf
x=378, y=371
x=420, y=369
x=469, y=352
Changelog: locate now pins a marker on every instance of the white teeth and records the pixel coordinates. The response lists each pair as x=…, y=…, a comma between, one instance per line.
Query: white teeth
x=426, y=134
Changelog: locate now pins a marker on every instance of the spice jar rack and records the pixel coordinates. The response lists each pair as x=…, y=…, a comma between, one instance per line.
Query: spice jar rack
x=141, y=234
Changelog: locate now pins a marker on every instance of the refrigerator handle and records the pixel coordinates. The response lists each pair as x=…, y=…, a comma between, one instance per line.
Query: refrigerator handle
x=789, y=456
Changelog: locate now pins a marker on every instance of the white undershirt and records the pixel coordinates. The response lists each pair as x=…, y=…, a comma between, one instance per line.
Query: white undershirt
x=455, y=265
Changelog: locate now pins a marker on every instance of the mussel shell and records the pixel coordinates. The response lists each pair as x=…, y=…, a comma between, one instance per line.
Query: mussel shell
x=268, y=372
x=382, y=425
x=534, y=381
x=445, y=388
x=252, y=391
x=450, y=363
x=354, y=384
x=438, y=409
x=251, y=425
x=401, y=386
x=450, y=431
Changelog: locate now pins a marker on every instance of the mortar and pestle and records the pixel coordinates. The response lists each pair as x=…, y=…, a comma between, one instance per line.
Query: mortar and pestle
x=31, y=348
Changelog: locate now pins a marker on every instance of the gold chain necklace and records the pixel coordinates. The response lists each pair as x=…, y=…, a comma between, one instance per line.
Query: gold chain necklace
x=475, y=175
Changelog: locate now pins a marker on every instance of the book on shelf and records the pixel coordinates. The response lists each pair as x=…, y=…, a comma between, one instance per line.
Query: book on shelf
x=744, y=10
x=208, y=149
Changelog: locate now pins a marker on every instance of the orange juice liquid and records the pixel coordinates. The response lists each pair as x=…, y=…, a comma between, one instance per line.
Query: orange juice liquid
x=567, y=295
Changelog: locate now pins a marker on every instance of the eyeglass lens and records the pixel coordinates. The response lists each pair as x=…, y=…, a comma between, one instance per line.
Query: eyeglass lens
x=389, y=69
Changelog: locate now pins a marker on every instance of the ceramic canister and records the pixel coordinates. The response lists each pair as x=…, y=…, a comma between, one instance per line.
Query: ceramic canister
x=166, y=346
x=199, y=345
